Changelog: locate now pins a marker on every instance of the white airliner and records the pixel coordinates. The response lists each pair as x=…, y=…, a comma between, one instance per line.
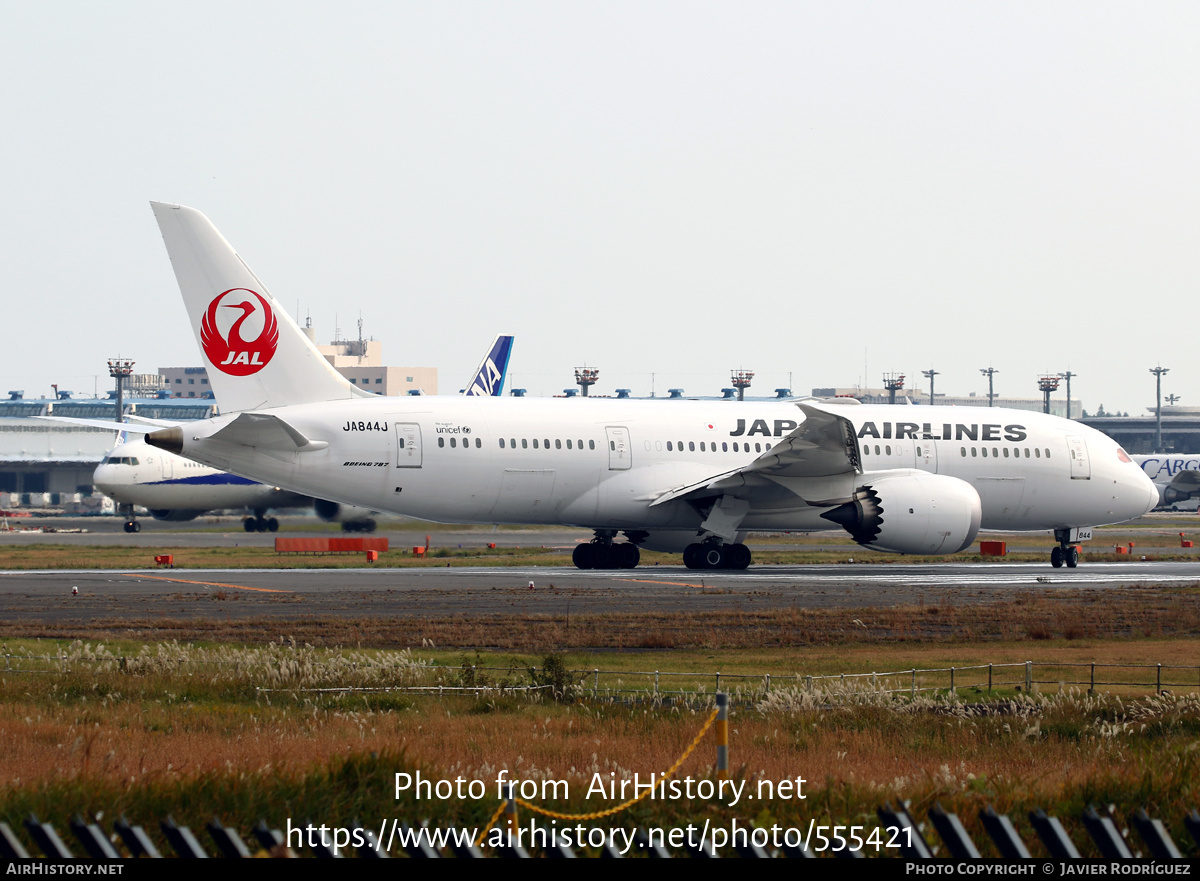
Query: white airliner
x=691, y=476
x=1176, y=476
x=178, y=489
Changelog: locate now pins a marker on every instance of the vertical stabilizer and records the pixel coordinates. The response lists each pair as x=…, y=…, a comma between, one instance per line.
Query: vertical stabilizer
x=488, y=378
x=255, y=354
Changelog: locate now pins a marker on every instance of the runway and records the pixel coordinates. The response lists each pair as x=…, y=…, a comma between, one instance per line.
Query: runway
x=461, y=591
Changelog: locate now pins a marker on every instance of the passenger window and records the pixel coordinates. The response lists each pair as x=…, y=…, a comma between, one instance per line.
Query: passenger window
x=568, y=443
x=525, y=443
x=546, y=441
x=535, y=442
x=888, y=449
x=1047, y=452
x=591, y=445
x=877, y=453
x=581, y=444
x=612, y=445
x=692, y=446
x=985, y=452
x=501, y=443
x=478, y=443
x=995, y=453
x=702, y=446
x=1037, y=453
x=767, y=447
x=670, y=447
x=866, y=449
x=918, y=451
x=441, y=442
x=557, y=444
x=1006, y=452
x=402, y=443
x=724, y=447
x=1027, y=452
x=964, y=451
x=758, y=448
x=974, y=452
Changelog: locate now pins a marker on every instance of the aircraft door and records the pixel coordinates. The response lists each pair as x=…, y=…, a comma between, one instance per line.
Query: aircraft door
x=408, y=445
x=1081, y=468
x=926, y=458
x=619, y=455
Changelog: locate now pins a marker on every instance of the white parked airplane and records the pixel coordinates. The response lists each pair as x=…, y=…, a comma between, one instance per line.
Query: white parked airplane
x=691, y=476
x=1176, y=476
x=178, y=489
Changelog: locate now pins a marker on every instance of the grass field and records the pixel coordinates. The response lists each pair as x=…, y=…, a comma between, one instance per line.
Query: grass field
x=187, y=730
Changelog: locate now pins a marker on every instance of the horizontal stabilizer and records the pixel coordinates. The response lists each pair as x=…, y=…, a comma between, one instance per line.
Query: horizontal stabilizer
x=265, y=432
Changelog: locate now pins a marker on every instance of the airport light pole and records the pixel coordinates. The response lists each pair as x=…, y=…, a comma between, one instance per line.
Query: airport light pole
x=1158, y=375
x=893, y=382
x=120, y=369
x=930, y=373
x=990, y=372
x=1047, y=384
x=1067, y=376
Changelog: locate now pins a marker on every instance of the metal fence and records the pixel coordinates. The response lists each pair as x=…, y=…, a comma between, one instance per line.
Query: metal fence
x=971, y=681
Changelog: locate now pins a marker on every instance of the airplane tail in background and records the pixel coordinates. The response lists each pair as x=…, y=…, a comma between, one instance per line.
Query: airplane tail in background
x=255, y=354
x=489, y=377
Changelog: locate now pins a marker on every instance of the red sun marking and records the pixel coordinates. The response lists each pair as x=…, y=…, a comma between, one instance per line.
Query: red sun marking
x=232, y=354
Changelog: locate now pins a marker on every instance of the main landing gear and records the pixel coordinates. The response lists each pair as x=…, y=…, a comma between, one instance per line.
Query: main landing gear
x=603, y=553
x=1065, y=552
x=714, y=555
x=132, y=525
x=259, y=523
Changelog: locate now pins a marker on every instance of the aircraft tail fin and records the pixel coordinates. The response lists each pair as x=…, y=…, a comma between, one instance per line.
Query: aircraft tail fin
x=488, y=378
x=256, y=355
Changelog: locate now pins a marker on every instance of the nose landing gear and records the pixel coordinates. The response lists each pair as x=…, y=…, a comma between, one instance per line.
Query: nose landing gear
x=1067, y=552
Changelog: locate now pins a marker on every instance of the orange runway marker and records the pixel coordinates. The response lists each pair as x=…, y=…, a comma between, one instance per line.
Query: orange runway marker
x=205, y=583
x=675, y=583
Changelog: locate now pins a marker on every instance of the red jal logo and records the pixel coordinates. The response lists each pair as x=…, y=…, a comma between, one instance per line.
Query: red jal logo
x=239, y=332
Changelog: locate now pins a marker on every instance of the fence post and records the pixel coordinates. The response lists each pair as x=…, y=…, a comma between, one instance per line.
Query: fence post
x=718, y=680
x=1158, y=680
x=596, y=682
x=808, y=684
x=656, y=683
x=989, y=679
x=722, y=736
x=768, y=684
x=953, y=692
x=1029, y=677
x=913, y=688
x=1092, y=685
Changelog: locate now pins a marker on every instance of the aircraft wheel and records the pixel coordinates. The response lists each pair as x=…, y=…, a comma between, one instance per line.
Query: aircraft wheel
x=272, y=525
x=582, y=556
x=369, y=526
x=714, y=557
x=137, y=527
x=739, y=556
x=129, y=526
x=627, y=555
x=1072, y=557
x=260, y=524
x=602, y=556
x=248, y=524
x=1056, y=558
x=691, y=556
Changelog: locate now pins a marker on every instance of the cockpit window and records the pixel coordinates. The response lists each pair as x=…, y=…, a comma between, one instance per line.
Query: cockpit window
x=1123, y=456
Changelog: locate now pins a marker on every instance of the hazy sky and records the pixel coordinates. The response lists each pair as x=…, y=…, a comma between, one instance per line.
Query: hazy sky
x=826, y=190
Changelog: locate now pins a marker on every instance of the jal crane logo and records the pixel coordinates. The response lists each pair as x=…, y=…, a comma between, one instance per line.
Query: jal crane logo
x=239, y=332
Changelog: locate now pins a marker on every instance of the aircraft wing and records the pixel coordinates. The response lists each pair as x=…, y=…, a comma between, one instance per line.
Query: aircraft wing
x=103, y=423
x=824, y=445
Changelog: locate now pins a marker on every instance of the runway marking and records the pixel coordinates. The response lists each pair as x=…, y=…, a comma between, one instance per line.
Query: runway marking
x=206, y=583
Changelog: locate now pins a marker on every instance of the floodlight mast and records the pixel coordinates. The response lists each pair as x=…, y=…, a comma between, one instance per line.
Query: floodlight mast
x=120, y=369
x=990, y=373
x=1158, y=375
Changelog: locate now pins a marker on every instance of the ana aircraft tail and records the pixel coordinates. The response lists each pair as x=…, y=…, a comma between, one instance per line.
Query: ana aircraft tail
x=255, y=354
x=489, y=376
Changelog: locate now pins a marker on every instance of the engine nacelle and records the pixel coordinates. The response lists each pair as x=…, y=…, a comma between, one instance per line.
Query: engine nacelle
x=175, y=515
x=911, y=512
x=352, y=517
